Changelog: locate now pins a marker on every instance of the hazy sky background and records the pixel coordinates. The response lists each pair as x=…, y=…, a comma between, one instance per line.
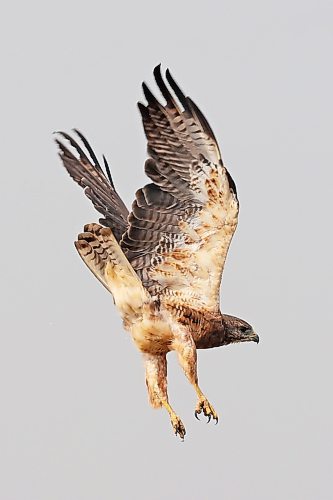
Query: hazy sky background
x=75, y=423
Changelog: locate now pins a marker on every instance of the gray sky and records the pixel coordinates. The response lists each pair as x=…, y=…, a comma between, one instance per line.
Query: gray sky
x=75, y=423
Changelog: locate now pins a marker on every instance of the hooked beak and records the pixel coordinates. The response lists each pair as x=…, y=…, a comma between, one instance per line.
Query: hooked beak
x=255, y=338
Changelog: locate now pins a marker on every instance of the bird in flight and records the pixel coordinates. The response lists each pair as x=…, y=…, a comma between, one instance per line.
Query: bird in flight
x=163, y=261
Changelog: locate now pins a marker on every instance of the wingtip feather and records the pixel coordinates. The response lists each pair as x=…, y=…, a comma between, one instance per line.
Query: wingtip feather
x=175, y=87
x=151, y=99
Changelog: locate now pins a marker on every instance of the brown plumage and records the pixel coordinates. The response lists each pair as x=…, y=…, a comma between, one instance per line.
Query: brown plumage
x=163, y=262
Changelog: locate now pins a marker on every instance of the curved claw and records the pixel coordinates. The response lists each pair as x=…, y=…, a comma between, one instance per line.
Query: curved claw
x=207, y=409
x=178, y=427
x=180, y=434
x=216, y=420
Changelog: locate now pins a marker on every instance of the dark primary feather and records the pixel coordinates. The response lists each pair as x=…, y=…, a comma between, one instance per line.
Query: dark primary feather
x=98, y=187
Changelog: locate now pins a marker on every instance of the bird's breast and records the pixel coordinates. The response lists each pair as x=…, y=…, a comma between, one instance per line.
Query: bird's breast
x=152, y=335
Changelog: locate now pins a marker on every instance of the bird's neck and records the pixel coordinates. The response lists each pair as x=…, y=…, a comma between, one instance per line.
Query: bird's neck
x=211, y=334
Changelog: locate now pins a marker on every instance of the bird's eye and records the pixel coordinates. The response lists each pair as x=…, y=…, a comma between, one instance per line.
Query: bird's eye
x=244, y=329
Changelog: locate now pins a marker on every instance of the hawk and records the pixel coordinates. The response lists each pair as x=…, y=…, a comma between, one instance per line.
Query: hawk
x=163, y=261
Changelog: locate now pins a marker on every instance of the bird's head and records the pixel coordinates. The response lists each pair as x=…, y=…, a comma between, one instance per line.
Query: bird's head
x=237, y=330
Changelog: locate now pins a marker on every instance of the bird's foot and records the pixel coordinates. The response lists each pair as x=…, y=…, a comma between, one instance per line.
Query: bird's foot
x=207, y=409
x=178, y=426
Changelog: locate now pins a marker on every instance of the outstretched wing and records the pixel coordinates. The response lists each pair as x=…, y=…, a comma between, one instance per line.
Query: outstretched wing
x=182, y=223
x=98, y=187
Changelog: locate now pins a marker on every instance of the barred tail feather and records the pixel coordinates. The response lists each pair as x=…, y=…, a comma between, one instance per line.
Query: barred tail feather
x=102, y=254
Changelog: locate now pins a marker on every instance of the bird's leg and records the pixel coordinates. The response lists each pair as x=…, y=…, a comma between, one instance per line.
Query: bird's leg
x=156, y=380
x=184, y=345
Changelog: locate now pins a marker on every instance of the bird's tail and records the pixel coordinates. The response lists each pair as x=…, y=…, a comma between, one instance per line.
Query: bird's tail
x=102, y=254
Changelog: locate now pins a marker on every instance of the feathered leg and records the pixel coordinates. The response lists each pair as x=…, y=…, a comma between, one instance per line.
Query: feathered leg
x=184, y=345
x=156, y=380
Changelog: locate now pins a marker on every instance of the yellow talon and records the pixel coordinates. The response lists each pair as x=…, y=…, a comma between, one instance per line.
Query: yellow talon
x=205, y=407
x=176, y=423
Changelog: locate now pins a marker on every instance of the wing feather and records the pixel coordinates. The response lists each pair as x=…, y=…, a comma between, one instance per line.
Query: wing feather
x=182, y=223
x=98, y=187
